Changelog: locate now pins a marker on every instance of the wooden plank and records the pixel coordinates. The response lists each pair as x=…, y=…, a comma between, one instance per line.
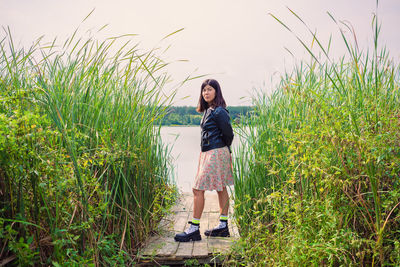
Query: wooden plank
x=200, y=248
x=168, y=247
x=182, y=217
x=163, y=249
x=151, y=248
x=184, y=203
x=180, y=222
x=231, y=205
x=166, y=224
x=213, y=220
x=211, y=202
x=235, y=230
x=185, y=250
x=165, y=246
x=188, y=202
x=230, y=226
x=219, y=244
x=203, y=221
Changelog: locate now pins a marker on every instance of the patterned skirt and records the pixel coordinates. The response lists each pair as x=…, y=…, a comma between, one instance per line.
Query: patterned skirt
x=214, y=170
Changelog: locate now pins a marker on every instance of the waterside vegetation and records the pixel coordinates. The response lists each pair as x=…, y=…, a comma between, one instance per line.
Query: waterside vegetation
x=318, y=179
x=84, y=176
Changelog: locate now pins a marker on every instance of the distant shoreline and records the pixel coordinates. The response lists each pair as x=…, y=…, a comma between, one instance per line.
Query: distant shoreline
x=187, y=115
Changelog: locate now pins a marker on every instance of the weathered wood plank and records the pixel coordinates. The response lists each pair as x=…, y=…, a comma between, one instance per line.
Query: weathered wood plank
x=185, y=250
x=184, y=203
x=200, y=248
x=151, y=248
x=211, y=202
x=231, y=205
x=219, y=244
x=164, y=246
x=213, y=219
x=163, y=249
x=180, y=222
x=235, y=230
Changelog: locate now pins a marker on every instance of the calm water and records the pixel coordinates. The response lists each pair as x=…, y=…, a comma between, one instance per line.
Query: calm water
x=185, y=151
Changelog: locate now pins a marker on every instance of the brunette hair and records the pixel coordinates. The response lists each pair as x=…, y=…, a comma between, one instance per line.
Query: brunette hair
x=218, y=101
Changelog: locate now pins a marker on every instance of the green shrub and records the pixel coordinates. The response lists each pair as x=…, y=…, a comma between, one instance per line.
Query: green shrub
x=84, y=177
x=317, y=182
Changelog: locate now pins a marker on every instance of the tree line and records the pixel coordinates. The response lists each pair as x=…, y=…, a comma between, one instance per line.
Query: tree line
x=187, y=115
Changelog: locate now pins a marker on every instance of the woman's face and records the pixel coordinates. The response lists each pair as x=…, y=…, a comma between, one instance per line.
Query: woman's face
x=208, y=94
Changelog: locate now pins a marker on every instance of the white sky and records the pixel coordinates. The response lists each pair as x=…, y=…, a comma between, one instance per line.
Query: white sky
x=237, y=41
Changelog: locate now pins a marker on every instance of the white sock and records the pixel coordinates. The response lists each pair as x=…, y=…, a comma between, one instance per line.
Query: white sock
x=193, y=227
x=222, y=224
x=223, y=221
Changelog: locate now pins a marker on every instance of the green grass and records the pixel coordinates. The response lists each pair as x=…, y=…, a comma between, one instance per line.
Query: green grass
x=317, y=180
x=84, y=174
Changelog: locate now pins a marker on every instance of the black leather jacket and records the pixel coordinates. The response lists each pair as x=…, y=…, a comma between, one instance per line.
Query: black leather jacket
x=216, y=129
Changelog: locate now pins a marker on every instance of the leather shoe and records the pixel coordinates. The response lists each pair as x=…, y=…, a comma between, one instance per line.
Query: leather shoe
x=184, y=237
x=222, y=232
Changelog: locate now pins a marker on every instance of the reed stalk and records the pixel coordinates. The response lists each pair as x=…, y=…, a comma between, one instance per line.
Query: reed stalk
x=82, y=155
x=324, y=145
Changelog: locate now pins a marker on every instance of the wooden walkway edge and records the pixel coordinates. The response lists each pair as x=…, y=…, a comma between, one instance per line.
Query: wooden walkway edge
x=162, y=249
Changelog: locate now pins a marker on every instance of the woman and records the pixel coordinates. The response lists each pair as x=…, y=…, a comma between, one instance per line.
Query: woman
x=215, y=162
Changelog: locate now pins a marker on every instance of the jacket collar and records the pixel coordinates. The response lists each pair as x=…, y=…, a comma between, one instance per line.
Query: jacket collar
x=206, y=114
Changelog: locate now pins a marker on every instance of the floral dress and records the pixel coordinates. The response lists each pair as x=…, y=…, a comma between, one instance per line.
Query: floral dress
x=214, y=170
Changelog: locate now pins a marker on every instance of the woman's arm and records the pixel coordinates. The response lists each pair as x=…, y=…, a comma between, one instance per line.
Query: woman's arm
x=224, y=125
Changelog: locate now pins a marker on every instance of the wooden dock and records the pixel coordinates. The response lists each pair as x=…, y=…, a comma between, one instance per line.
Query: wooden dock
x=162, y=249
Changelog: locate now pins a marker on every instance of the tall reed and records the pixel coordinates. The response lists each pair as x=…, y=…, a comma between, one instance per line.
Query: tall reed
x=318, y=180
x=84, y=173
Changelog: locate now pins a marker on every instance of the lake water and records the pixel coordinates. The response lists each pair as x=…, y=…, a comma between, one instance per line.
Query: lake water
x=185, y=152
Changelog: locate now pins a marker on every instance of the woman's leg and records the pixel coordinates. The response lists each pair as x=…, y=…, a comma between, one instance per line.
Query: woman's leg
x=222, y=228
x=198, y=203
x=223, y=199
x=193, y=233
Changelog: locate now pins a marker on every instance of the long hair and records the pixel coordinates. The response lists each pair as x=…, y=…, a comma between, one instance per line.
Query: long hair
x=218, y=101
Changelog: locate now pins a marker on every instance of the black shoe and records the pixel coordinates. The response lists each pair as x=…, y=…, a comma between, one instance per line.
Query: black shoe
x=222, y=232
x=184, y=237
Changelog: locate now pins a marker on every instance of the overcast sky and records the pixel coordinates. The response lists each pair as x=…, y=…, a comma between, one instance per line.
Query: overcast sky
x=236, y=41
